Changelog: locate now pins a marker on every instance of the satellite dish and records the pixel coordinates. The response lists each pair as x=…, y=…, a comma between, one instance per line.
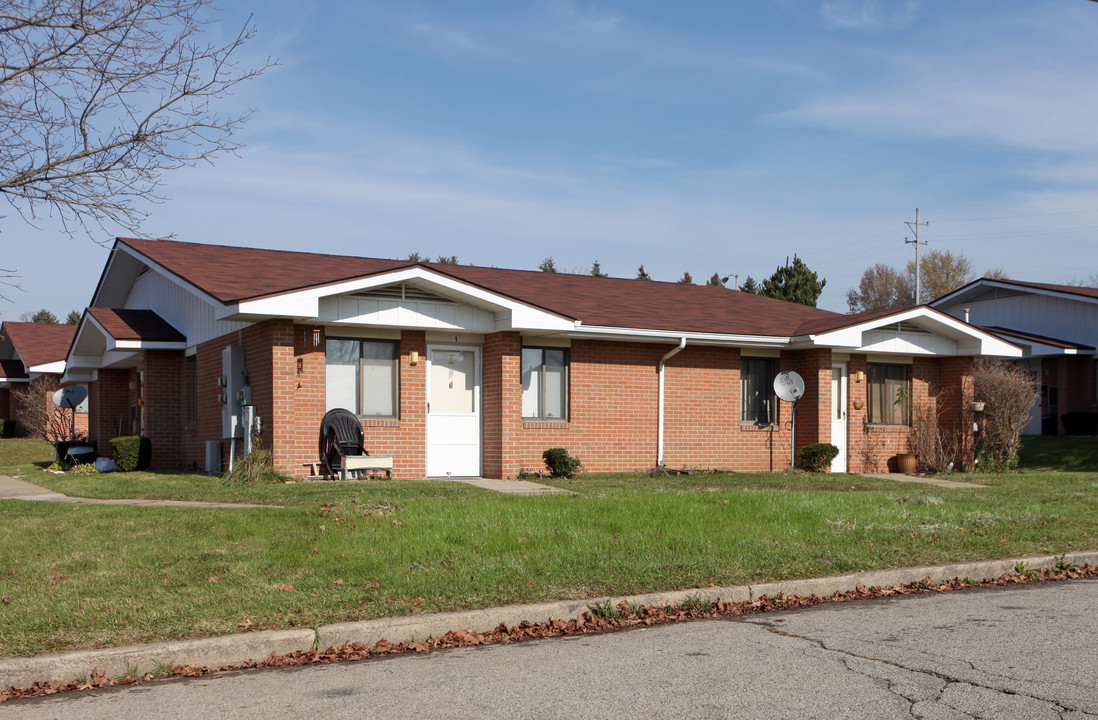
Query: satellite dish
x=70, y=397
x=789, y=386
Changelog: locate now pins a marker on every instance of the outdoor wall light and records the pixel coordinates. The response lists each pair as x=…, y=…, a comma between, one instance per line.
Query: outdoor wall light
x=413, y=357
x=859, y=376
x=300, y=365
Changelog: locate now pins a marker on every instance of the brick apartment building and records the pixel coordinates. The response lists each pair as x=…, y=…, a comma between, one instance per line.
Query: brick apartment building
x=465, y=371
x=31, y=352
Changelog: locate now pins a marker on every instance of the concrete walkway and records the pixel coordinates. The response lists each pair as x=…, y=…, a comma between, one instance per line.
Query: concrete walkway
x=508, y=487
x=922, y=479
x=16, y=489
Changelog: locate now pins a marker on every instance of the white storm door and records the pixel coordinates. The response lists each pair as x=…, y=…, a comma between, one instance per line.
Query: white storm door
x=838, y=416
x=453, y=411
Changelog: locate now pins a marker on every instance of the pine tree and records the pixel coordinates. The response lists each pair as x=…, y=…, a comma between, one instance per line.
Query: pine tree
x=596, y=270
x=547, y=265
x=641, y=274
x=686, y=279
x=794, y=283
x=715, y=280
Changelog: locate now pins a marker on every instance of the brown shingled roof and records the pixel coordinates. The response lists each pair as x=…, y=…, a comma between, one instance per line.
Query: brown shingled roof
x=233, y=274
x=40, y=343
x=143, y=325
x=1040, y=339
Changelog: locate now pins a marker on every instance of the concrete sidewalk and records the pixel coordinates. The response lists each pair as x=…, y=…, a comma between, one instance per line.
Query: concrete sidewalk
x=239, y=648
x=923, y=480
x=16, y=489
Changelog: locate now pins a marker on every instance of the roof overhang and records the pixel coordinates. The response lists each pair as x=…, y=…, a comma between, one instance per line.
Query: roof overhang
x=305, y=304
x=95, y=348
x=976, y=288
x=968, y=340
x=592, y=332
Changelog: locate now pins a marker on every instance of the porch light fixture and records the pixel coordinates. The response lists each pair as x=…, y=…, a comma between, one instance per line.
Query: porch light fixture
x=859, y=376
x=413, y=357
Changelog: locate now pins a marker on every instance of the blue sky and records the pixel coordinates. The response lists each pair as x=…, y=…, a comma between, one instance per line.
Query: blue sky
x=695, y=136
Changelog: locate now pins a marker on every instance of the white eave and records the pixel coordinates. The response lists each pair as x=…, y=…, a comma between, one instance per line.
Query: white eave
x=969, y=339
x=305, y=304
x=54, y=368
x=594, y=332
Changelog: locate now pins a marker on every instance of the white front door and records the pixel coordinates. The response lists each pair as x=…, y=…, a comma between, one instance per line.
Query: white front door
x=838, y=416
x=453, y=411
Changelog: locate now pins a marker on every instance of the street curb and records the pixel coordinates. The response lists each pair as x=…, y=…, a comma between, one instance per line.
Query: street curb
x=240, y=648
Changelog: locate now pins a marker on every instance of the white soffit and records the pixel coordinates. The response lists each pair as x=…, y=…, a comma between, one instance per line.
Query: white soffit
x=305, y=304
x=969, y=340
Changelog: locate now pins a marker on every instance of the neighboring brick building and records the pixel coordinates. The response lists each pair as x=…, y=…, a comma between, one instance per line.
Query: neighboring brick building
x=1057, y=328
x=461, y=370
x=34, y=353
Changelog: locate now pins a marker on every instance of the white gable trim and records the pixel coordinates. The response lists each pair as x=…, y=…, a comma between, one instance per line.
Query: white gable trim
x=865, y=336
x=973, y=289
x=305, y=304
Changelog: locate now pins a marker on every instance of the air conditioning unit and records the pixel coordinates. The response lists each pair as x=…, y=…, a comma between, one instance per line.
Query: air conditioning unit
x=213, y=457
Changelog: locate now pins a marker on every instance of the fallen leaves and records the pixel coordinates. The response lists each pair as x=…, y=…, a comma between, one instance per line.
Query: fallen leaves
x=626, y=617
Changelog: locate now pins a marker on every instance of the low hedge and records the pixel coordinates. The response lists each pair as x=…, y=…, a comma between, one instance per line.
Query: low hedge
x=816, y=457
x=131, y=452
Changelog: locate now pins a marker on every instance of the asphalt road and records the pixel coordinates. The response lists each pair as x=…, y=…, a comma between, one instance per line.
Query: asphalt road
x=1021, y=652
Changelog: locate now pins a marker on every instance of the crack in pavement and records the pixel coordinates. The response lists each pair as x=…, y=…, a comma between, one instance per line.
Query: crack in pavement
x=850, y=659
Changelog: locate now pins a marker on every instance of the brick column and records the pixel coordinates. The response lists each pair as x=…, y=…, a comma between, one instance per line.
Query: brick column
x=502, y=403
x=164, y=396
x=108, y=408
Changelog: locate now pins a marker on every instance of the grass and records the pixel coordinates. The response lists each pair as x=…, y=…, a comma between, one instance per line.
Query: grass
x=90, y=575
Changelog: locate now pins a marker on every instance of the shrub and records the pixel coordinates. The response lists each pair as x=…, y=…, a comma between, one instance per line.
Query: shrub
x=7, y=428
x=1008, y=393
x=62, y=447
x=131, y=452
x=561, y=463
x=255, y=469
x=816, y=457
x=1080, y=422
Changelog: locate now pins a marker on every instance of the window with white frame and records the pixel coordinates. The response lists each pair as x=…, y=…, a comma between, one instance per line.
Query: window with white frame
x=545, y=383
x=758, y=401
x=361, y=376
x=889, y=388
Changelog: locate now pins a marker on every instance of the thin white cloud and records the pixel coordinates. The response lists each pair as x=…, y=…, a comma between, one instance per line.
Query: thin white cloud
x=869, y=14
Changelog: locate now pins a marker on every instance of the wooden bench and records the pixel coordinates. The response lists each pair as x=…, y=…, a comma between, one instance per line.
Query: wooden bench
x=353, y=466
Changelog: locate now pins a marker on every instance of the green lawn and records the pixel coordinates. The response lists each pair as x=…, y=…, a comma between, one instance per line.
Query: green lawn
x=81, y=576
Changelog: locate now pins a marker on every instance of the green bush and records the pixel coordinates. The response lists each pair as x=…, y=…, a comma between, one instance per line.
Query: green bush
x=7, y=428
x=131, y=452
x=62, y=447
x=1080, y=422
x=816, y=457
x=561, y=463
x=256, y=469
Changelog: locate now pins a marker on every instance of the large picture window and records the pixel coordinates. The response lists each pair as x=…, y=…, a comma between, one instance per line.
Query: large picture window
x=545, y=383
x=759, y=403
x=889, y=393
x=361, y=376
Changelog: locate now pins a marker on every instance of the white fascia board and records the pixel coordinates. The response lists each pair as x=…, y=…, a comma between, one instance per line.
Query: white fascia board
x=54, y=368
x=147, y=345
x=82, y=362
x=592, y=332
x=305, y=304
x=970, y=340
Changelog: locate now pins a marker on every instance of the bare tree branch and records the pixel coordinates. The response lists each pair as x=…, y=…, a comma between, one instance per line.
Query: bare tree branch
x=99, y=97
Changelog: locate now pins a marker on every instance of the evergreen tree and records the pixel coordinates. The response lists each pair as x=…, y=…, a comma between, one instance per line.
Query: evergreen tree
x=443, y=260
x=641, y=274
x=686, y=279
x=750, y=286
x=794, y=283
x=73, y=318
x=596, y=270
x=416, y=257
x=43, y=316
x=715, y=280
x=547, y=265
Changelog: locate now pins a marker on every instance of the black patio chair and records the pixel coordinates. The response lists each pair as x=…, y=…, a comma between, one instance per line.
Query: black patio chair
x=340, y=436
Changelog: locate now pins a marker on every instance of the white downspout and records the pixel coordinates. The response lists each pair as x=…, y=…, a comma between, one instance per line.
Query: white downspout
x=659, y=418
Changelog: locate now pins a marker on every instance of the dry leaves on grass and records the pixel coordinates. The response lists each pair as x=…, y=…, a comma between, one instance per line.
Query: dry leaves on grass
x=623, y=616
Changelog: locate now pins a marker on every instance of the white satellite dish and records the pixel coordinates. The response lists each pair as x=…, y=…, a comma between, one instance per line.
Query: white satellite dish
x=789, y=386
x=70, y=397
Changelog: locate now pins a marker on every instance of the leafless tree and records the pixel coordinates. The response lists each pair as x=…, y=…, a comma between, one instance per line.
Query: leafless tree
x=1009, y=393
x=98, y=97
x=38, y=416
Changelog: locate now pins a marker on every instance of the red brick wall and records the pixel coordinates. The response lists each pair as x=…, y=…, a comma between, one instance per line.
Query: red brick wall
x=163, y=397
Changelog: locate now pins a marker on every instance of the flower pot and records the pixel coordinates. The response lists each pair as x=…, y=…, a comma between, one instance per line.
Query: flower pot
x=858, y=404
x=906, y=463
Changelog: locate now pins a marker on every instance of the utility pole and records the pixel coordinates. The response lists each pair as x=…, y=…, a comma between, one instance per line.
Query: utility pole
x=918, y=271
